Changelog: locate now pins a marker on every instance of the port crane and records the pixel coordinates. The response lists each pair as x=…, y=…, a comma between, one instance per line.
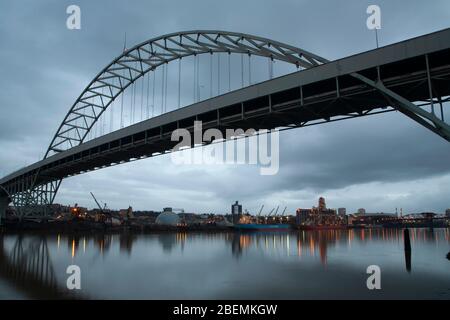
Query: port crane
x=102, y=210
x=98, y=204
x=260, y=210
x=284, y=211
x=276, y=211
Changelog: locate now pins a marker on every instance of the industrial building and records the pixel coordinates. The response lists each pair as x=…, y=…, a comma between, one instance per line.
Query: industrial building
x=168, y=218
x=236, y=212
x=320, y=216
x=371, y=219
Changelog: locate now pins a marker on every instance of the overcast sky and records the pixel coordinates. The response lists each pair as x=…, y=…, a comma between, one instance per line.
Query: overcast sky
x=379, y=163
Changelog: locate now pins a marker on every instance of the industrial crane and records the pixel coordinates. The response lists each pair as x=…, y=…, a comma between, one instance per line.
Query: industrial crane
x=276, y=211
x=259, y=213
x=102, y=210
x=98, y=204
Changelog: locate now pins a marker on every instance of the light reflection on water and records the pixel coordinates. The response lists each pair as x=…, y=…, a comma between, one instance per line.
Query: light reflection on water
x=304, y=264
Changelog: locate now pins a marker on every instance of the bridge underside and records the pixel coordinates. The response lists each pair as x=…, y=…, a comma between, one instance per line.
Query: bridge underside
x=338, y=98
x=330, y=92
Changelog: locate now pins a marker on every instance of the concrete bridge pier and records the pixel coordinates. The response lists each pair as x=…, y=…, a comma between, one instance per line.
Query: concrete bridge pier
x=4, y=201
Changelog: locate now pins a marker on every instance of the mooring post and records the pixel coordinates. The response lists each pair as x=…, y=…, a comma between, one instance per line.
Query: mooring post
x=407, y=242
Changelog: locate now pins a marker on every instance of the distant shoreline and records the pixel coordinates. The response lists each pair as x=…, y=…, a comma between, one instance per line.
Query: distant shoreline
x=70, y=229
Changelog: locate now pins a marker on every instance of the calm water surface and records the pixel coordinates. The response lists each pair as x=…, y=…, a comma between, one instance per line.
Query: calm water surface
x=295, y=265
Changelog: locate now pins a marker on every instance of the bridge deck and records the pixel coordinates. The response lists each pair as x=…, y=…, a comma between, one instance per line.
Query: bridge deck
x=303, y=98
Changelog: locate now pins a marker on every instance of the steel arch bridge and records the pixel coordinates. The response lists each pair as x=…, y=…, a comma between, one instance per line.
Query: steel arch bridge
x=149, y=55
x=332, y=83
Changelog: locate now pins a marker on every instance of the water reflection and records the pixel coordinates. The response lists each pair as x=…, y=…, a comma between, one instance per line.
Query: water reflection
x=306, y=243
x=28, y=266
x=317, y=243
x=26, y=260
x=126, y=242
x=101, y=242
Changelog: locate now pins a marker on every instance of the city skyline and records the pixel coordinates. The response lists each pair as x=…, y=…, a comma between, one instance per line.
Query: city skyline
x=271, y=210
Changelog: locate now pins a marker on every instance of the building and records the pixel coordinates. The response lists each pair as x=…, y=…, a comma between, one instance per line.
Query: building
x=236, y=212
x=322, y=206
x=371, y=219
x=302, y=215
x=361, y=211
x=447, y=213
x=319, y=216
x=350, y=219
x=168, y=218
x=78, y=212
x=126, y=214
x=321, y=209
x=342, y=212
x=191, y=219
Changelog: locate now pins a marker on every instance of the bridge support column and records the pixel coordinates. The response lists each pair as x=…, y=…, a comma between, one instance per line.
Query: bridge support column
x=4, y=201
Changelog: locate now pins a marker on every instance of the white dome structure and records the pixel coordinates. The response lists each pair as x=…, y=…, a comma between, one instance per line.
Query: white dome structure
x=168, y=218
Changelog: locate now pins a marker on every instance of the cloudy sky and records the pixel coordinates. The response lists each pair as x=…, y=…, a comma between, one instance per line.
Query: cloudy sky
x=379, y=162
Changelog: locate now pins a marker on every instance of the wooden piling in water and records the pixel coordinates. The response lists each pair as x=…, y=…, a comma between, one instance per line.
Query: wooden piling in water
x=407, y=246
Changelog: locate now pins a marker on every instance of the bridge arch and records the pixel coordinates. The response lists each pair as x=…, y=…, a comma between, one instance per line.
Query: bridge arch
x=147, y=56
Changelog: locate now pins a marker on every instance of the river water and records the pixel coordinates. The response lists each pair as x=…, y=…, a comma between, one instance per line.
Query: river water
x=294, y=265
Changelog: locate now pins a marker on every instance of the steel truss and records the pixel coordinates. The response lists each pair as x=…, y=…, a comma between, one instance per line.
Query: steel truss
x=31, y=200
x=149, y=55
x=427, y=119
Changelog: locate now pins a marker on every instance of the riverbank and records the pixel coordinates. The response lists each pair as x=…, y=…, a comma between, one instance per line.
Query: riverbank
x=156, y=229
x=73, y=226
x=136, y=226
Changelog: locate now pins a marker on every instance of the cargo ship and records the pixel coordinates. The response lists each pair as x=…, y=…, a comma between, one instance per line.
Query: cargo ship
x=262, y=227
